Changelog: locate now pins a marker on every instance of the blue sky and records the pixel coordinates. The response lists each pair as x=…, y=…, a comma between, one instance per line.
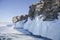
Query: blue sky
x=10, y=8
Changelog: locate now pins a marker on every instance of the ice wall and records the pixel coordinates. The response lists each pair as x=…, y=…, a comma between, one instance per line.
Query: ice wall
x=49, y=29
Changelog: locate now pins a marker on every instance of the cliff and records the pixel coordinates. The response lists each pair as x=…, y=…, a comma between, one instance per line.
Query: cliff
x=43, y=19
x=48, y=8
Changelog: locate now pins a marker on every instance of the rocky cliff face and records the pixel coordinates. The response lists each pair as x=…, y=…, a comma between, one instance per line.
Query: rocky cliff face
x=41, y=19
x=48, y=8
x=19, y=18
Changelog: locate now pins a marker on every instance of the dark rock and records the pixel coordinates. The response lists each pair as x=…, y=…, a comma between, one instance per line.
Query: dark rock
x=48, y=8
x=31, y=11
x=19, y=18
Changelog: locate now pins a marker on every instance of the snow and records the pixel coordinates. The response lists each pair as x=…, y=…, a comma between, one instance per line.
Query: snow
x=19, y=24
x=3, y=24
x=17, y=37
x=7, y=30
x=27, y=24
x=9, y=33
x=53, y=29
x=37, y=26
x=49, y=29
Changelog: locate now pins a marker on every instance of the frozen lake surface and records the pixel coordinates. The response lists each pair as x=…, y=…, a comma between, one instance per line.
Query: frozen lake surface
x=9, y=33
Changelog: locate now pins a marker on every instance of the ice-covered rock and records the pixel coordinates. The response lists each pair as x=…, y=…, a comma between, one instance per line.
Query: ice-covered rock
x=19, y=24
x=49, y=29
x=46, y=25
x=52, y=29
x=36, y=26
x=27, y=24
x=19, y=21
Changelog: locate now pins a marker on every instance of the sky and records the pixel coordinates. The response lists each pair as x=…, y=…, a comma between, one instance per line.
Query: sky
x=10, y=8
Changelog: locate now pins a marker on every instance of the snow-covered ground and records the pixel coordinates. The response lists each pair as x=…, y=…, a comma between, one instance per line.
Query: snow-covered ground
x=3, y=24
x=18, y=37
x=9, y=33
